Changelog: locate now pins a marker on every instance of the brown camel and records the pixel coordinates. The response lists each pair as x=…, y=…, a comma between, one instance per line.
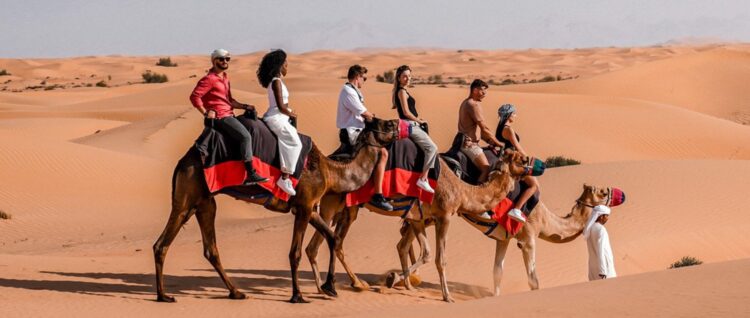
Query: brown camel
x=190, y=196
x=550, y=227
x=541, y=223
x=452, y=196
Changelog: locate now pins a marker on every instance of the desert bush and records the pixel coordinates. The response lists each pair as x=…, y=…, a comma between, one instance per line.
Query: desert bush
x=548, y=78
x=435, y=79
x=387, y=77
x=560, y=161
x=150, y=77
x=686, y=261
x=460, y=81
x=508, y=81
x=166, y=62
x=101, y=83
x=4, y=216
x=4, y=72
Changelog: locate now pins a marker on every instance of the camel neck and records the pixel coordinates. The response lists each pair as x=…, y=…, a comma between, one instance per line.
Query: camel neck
x=557, y=229
x=484, y=197
x=352, y=175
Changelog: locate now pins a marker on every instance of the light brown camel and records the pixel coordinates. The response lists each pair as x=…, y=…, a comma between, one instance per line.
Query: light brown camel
x=190, y=196
x=452, y=195
x=541, y=223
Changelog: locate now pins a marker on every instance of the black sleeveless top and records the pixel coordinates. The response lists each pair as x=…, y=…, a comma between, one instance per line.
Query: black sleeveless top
x=508, y=144
x=409, y=100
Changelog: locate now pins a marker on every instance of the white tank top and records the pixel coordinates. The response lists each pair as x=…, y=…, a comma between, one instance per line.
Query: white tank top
x=273, y=109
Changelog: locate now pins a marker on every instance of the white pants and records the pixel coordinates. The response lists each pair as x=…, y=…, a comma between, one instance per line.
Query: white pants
x=289, y=144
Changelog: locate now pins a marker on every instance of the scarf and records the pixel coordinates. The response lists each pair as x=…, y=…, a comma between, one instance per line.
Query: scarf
x=598, y=211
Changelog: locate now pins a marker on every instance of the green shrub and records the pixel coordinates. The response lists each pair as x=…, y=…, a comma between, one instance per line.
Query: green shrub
x=166, y=62
x=101, y=83
x=560, y=161
x=150, y=77
x=686, y=261
x=4, y=72
x=4, y=216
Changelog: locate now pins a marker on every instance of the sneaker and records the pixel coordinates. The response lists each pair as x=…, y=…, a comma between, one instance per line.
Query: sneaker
x=425, y=185
x=254, y=178
x=286, y=186
x=517, y=215
x=380, y=202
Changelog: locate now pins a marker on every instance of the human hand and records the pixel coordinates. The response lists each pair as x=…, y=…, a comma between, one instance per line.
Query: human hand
x=249, y=107
x=211, y=114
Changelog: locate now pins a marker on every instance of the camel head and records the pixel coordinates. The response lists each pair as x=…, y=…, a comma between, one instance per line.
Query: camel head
x=593, y=196
x=379, y=132
x=516, y=163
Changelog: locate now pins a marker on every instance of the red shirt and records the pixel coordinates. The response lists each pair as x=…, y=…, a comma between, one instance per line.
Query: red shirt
x=213, y=93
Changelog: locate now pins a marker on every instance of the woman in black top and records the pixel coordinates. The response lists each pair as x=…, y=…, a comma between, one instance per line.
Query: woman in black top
x=406, y=106
x=510, y=138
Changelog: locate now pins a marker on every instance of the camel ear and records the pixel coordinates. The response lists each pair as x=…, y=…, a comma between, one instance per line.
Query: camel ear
x=587, y=187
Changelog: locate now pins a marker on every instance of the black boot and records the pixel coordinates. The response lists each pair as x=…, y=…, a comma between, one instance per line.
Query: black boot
x=252, y=176
x=380, y=202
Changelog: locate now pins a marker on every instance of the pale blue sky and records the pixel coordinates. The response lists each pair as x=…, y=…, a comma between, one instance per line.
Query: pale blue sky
x=46, y=28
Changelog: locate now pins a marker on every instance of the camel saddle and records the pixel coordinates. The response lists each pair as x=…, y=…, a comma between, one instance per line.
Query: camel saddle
x=224, y=169
x=404, y=166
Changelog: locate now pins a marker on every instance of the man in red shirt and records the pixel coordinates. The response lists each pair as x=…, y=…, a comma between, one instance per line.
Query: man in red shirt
x=212, y=96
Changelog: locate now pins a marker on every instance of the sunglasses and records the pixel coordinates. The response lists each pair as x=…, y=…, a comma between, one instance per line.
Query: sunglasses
x=224, y=59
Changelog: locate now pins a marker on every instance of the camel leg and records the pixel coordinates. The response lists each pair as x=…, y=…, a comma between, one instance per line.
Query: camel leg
x=206, y=216
x=501, y=248
x=416, y=229
x=328, y=209
x=528, y=248
x=403, y=246
x=342, y=228
x=177, y=218
x=301, y=218
x=441, y=233
x=329, y=287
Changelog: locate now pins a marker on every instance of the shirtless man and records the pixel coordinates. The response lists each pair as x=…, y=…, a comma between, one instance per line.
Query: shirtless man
x=472, y=125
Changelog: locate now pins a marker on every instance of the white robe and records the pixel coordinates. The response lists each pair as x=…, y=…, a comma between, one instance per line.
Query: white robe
x=601, y=261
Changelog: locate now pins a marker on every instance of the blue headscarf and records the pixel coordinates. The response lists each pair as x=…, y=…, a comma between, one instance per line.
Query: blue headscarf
x=504, y=113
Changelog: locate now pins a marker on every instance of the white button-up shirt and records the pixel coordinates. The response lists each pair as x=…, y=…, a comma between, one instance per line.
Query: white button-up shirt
x=350, y=108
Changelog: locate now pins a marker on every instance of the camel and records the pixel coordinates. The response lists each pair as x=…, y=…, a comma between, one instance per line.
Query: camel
x=541, y=223
x=452, y=196
x=321, y=176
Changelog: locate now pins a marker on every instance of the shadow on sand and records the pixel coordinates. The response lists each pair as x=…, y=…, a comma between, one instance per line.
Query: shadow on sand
x=259, y=284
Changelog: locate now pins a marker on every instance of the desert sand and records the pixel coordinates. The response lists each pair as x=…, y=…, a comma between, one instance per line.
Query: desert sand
x=86, y=175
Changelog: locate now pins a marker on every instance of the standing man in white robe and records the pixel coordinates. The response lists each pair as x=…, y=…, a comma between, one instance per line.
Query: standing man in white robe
x=601, y=260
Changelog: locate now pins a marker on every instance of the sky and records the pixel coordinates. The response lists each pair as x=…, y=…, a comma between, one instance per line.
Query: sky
x=54, y=28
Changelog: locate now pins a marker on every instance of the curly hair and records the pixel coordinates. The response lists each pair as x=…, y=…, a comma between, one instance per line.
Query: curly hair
x=270, y=66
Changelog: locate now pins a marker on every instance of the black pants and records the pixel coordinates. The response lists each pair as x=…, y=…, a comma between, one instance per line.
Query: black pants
x=232, y=127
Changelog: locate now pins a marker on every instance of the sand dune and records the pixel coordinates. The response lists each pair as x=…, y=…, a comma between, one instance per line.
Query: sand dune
x=87, y=170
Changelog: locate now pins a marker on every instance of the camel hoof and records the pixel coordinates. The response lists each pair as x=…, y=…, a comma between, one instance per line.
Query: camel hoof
x=361, y=286
x=237, y=295
x=449, y=299
x=165, y=299
x=297, y=299
x=391, y=280
x=329, y=289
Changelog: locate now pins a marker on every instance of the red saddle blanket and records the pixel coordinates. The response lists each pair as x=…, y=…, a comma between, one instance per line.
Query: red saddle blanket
x=404, y=166
x=224, y=169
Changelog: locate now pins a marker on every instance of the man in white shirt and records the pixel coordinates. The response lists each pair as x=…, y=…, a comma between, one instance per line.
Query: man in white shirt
x=350, y=118
x=601, y=260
